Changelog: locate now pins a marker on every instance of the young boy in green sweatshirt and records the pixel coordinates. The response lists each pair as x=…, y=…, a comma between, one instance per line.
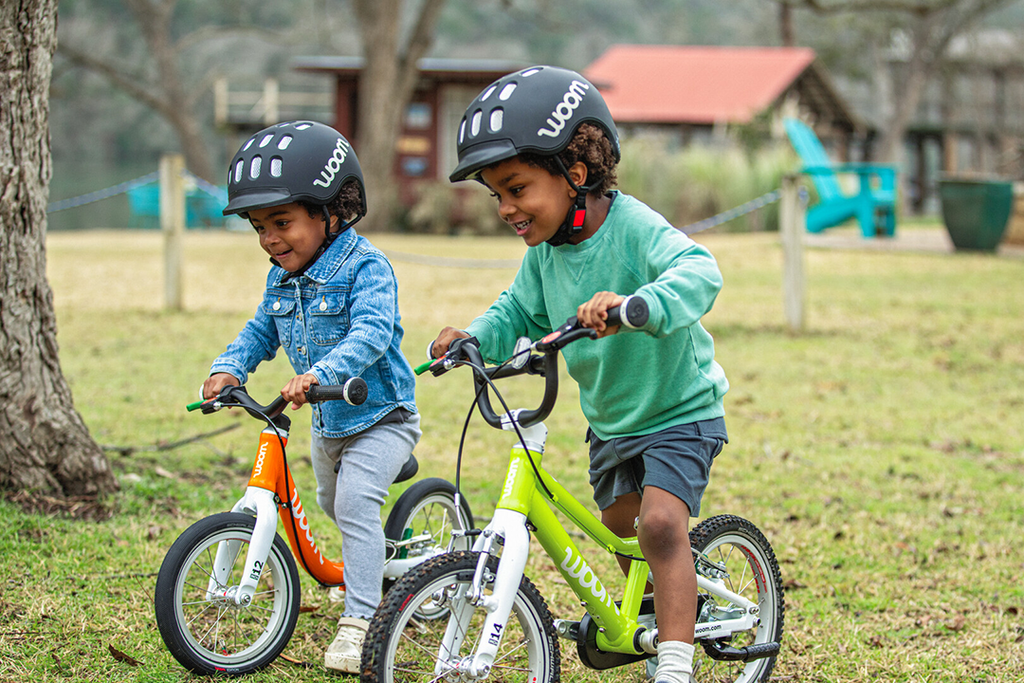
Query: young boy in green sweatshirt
x=543, y=142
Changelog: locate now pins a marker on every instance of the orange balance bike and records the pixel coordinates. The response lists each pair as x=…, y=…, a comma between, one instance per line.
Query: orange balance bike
x=227, y=595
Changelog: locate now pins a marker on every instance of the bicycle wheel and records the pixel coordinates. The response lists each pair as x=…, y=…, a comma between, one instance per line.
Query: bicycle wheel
x=752, y=572
x=401, y=648
x=209, y=633
x=426, y=510
x=425, y=514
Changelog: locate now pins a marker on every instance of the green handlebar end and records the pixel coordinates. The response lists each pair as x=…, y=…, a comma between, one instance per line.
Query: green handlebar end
x=194, y=406
x=420, y=369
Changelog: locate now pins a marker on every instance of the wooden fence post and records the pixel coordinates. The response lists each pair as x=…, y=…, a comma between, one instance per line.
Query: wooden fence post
x=172, y=224
x=793, y=225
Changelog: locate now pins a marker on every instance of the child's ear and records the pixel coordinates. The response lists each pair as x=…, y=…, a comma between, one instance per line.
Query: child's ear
x=578, y=173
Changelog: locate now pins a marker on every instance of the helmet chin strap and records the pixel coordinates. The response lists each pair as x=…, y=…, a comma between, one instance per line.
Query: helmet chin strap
x=573, y=223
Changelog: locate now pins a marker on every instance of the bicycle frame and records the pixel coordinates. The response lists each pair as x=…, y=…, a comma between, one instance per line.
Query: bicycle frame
x=524, y=500
x=271, y=492
x=266, y=493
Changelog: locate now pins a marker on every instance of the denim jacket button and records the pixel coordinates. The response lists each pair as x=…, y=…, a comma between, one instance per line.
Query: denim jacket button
x=323, y=305
x=276, y=306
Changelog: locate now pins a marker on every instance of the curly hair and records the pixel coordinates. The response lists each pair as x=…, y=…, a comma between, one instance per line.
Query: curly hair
x=347, y=204
x=591, y=146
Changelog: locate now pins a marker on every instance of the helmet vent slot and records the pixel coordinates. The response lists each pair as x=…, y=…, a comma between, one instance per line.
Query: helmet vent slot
x=249, y=144
x=488, y=93
x=255, y=166
x=275, y=166
x=529, y=72
x=283, y=143
x=507, y=91
x=266, y=140
x=462, y=131
x=239, y=167
x=497, y=119
x=303, y=126
x=475, y=125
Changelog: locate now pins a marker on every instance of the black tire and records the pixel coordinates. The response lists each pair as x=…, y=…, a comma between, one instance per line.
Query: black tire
x=426, y=508
x=753, y=572
x=211, y=635
x=428, y=505
x=397, y=651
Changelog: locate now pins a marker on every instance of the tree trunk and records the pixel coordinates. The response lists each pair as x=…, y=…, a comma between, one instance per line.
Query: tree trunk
x=786, y=33
x=386, y=85
x=45, y=444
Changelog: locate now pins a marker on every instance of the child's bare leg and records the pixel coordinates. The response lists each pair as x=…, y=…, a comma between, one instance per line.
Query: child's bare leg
x=665, y=542
x=620, y=517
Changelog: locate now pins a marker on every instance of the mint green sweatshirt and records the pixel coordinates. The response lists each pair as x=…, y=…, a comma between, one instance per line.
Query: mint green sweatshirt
x=637, y=381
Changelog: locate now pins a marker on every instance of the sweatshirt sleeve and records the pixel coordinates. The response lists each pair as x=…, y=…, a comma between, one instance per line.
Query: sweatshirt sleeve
x=683, y=282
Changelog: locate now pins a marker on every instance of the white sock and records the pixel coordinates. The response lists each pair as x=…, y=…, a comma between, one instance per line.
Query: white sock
x=675, y=662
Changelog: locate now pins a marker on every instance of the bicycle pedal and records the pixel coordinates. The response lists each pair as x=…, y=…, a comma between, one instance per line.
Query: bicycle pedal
x=570, y=630
x=724, y=653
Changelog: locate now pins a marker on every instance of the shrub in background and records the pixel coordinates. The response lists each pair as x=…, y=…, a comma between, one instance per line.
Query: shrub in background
x=685, y=186
x=442, y=208
x=698, y=182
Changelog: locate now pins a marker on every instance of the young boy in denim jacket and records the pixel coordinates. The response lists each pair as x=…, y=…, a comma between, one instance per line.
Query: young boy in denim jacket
x=331, y=302
x=543, y=142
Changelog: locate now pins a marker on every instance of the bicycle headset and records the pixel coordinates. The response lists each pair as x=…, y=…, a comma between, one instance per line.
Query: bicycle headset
x=536, y=110
x=291, y=162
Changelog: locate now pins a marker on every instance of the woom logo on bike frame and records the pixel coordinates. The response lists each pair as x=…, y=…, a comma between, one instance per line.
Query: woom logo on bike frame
x=300, y=516
x=582, y=572
x=257, y=469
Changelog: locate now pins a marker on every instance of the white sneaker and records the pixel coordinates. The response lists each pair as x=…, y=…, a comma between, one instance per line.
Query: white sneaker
x=336, y=594
x=345, y=653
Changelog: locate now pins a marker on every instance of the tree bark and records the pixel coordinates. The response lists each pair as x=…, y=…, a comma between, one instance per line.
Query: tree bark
x=46, y=445
x=386, y=85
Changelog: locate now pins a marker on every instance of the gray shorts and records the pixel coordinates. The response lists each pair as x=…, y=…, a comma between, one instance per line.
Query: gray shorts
x=677, y=460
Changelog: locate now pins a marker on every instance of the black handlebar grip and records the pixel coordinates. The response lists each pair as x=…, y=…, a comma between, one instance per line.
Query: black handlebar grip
x=636, y=313
x=353, y=392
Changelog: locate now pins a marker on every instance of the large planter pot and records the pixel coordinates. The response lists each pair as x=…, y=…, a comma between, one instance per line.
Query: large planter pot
x=976, y=211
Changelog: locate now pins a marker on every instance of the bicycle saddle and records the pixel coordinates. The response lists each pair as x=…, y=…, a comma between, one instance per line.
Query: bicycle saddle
x=408, y=471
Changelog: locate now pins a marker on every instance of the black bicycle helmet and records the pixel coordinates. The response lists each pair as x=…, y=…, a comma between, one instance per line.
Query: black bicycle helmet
x=536, y=110
x=289, y=162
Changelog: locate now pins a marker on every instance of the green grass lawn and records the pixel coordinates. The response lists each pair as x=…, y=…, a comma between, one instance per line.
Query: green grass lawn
x=881, y=452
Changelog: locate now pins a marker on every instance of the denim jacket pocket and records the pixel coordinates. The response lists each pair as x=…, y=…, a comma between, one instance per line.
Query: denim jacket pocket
x=281, y=310
x=328, y=318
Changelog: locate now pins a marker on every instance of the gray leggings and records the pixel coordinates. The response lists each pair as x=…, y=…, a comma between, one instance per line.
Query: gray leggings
x=370, y=461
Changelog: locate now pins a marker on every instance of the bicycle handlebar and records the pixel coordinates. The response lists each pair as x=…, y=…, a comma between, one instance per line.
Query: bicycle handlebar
x=466, y=351
x=353, y=392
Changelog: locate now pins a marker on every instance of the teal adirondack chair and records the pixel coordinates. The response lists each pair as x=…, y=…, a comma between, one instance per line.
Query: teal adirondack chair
x=873, y=205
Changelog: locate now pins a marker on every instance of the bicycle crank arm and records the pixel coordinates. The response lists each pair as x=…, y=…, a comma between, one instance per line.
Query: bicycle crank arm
x=725, y=653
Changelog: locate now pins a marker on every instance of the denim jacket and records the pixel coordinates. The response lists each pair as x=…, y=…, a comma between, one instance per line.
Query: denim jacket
x=337, y=320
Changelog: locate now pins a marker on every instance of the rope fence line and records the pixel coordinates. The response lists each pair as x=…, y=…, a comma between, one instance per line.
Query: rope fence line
x=693, y=228
x=726, y=216
x=128, y=185
x=99, y=195
x=419, y=259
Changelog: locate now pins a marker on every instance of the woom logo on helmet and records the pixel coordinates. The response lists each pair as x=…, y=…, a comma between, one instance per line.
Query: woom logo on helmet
x=333, y=164
x=565, y=109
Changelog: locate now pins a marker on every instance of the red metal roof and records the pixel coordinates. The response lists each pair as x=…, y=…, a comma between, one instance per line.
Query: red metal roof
x=686, y=84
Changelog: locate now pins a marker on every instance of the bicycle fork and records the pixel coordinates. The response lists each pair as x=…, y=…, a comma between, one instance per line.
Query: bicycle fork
x=261, y=500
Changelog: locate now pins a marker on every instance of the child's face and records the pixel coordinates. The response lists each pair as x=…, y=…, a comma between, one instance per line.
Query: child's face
x=288, y=233
x=531, y=200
